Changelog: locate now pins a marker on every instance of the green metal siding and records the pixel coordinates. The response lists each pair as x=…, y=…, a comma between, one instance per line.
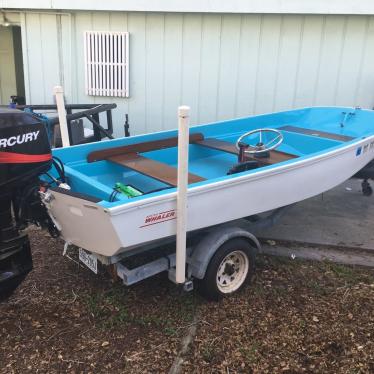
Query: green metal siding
x=222, y=65
x=7, y=67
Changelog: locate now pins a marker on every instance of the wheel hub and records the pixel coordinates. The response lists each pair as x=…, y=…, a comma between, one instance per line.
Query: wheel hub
x=229, y=269
x=232, y=271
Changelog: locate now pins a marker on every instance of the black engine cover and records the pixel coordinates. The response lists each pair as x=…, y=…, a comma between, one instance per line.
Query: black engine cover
x=25, y=153
x=24, y=147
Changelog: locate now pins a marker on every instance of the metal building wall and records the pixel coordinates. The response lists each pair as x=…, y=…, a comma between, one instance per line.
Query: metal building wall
x=223, y=66
x=7, y=69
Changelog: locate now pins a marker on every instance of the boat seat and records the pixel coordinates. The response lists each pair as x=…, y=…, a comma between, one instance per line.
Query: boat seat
x=157, y=170
x=317, y=133
x=129, y=157
x=221, y=145
x=153, y=145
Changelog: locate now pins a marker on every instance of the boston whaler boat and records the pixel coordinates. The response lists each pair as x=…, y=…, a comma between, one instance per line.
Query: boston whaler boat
x=122, y=193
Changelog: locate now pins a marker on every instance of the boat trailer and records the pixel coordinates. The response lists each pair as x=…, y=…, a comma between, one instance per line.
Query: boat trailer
x=205, y=253
x=218, y=259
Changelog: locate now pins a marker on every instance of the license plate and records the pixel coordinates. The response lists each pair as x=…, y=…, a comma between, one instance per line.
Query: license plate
x=88, y=259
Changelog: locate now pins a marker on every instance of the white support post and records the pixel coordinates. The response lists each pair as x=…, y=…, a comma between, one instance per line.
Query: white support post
x=183, y=143
x=59, y=93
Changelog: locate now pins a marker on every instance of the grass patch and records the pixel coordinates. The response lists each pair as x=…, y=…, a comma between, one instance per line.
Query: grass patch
x=250, y=353
x=185, y=307
x=107, y=309
x=209, y=352
x=170, y=331
x=318, y=288
x=349, y=274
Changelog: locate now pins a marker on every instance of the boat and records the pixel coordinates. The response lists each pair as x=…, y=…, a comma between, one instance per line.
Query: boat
x=122, y=192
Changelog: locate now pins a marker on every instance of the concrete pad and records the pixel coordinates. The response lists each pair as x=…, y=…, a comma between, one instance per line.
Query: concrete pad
x=342, y=217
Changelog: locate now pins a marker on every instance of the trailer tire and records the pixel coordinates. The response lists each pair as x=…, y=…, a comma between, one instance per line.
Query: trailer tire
x=230, y=268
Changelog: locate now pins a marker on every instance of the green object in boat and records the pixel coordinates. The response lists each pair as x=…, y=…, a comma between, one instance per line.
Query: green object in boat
x=127, y=190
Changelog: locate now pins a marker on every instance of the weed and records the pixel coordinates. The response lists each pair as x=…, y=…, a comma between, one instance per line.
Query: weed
x=302, y=324
x=209, y=352
x=186, y=307
x=94, y=305
x=347, y=273
x=258, y=289
x=107, y=309
x=318, y=288
x=280, y=290
x=170, y=331
x=250, y=353
x=148, y=320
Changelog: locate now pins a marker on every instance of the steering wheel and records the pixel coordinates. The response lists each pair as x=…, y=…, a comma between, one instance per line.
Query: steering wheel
x=261, y=147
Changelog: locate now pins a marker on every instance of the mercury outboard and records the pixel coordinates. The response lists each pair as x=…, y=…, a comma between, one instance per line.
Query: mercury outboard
x=25, y=154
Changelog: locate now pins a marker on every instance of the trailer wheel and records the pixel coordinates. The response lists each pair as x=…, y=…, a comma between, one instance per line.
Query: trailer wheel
x=229, y=269
x=366, y=188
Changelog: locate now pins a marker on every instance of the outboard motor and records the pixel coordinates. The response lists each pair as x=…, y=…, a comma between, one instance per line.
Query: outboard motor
x=25, y=154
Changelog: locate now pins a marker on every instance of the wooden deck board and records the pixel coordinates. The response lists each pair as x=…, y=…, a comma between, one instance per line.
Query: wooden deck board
x=152, y=145
x=157, y=170
x=317, y=133
x=221, y=145
x=217, y=144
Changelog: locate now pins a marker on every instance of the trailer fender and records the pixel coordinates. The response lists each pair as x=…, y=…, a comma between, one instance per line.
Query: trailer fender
x=203, y=252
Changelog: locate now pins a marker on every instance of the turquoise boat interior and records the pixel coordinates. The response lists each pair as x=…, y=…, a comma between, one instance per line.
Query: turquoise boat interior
x=124, y=170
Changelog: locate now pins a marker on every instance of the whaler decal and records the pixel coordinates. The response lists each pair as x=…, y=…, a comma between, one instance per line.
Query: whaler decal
x=153, y=219
x=19, y=139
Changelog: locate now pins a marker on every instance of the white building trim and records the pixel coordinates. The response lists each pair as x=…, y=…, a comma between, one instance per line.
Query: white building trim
x=365, y=7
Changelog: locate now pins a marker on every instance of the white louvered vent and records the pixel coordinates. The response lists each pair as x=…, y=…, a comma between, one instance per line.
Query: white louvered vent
x=107, y=63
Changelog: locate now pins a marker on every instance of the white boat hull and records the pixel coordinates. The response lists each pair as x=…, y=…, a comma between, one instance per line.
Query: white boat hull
x=110, y=231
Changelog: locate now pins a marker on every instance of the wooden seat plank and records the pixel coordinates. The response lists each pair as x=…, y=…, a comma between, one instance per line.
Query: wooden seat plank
x=317, y=133
x=221, y=145
x=155, y=169
x=152, y=145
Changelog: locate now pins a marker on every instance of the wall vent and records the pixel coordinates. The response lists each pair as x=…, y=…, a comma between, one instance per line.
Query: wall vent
x=106, y=63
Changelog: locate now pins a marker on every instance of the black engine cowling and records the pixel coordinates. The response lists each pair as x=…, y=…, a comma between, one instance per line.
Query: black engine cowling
x=25, y=151
x=25, y=154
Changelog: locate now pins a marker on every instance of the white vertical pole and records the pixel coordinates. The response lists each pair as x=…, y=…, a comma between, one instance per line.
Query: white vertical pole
x=100, y=65
x=127, y=66
x=86, y=62
x=183, y=142
x=59, y=93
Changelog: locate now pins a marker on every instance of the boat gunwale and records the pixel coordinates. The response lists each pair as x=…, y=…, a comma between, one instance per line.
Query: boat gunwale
x=250, y=175
x=196, y=127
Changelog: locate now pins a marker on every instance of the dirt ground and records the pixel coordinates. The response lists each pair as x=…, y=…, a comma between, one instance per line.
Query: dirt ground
x=295, y=317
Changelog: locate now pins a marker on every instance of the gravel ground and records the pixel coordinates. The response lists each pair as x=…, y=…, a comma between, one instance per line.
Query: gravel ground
x=295, y=317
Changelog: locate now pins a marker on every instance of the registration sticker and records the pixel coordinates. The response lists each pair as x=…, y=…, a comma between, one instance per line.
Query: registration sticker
x=88, y=259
